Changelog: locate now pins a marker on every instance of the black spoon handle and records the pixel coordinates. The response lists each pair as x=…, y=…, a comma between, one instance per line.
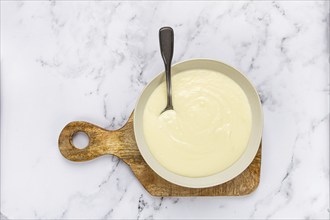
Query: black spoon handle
x=166, y=40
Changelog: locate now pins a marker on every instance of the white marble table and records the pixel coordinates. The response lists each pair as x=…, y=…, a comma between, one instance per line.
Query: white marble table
x=71, y=60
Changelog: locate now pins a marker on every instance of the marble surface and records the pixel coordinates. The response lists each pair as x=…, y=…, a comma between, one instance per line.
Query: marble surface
x=80, y=60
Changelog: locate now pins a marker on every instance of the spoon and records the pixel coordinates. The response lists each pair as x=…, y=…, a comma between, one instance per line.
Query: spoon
x=166, y=41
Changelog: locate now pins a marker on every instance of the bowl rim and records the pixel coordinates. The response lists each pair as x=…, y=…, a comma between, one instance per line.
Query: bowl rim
x=223, y=176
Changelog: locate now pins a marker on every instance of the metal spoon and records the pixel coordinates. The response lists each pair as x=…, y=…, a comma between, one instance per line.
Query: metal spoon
x=166, y=40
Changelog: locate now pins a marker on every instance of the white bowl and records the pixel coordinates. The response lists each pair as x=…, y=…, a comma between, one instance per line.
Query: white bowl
x=253, y=144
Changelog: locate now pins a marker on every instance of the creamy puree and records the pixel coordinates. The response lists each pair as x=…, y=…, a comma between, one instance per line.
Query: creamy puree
x=208, y=129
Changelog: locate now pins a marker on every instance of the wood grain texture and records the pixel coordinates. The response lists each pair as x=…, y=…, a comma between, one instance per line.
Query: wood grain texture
x=121, y=143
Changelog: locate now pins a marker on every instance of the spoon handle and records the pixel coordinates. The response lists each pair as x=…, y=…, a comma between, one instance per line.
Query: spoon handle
x=166, y=40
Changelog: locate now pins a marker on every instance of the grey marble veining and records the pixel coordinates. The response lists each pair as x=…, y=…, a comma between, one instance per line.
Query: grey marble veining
x=83, y=60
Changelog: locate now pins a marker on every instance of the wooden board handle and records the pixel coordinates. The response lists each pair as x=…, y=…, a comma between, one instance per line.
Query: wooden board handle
x=120, y=143
x=99, y=140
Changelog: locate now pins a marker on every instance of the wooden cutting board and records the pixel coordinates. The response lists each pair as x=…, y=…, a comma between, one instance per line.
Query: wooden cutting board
x=121, y=143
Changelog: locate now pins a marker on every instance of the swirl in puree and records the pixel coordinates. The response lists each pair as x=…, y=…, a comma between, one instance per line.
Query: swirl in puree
x=207, y=131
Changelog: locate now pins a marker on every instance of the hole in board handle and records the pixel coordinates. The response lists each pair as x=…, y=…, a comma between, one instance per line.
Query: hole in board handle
x=80, y=140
